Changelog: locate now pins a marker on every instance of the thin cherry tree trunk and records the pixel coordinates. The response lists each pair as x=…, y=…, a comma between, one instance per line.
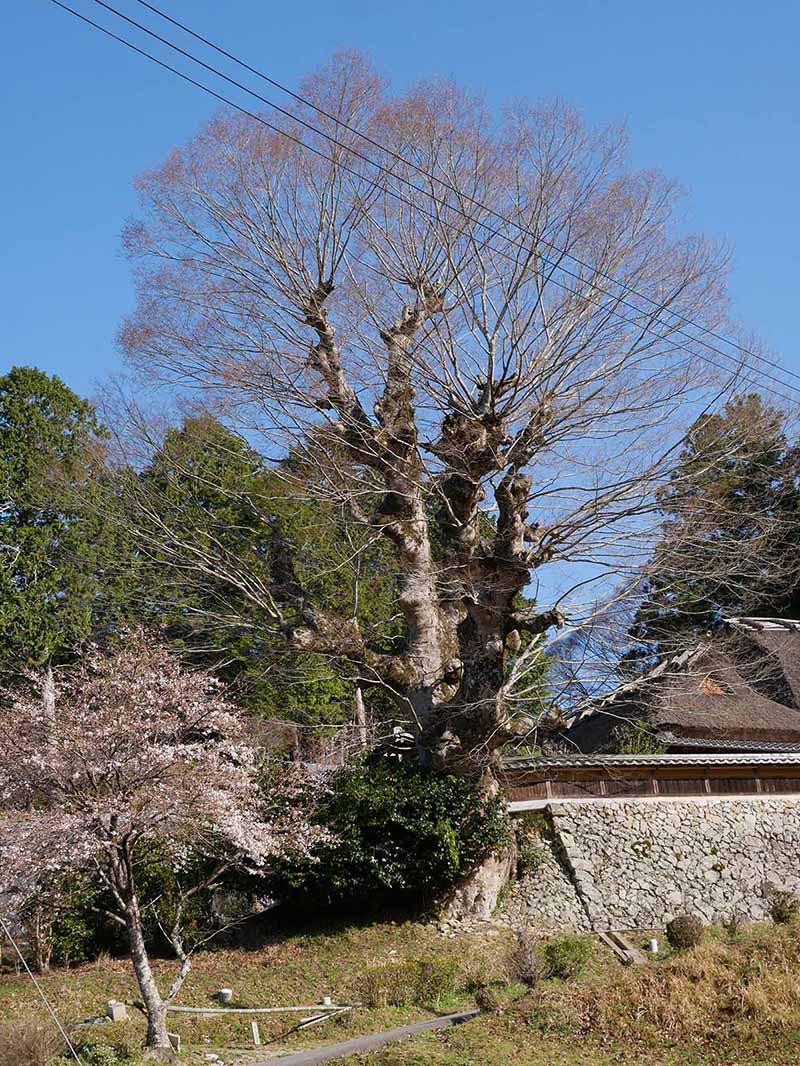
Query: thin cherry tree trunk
x=49, y=697
x=154, y=1006
x=41, y=932
x=361, y=718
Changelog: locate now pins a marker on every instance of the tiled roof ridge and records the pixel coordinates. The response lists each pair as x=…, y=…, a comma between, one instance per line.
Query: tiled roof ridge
x=711, y=759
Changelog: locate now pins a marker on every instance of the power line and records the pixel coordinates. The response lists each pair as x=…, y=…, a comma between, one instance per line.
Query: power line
x=39, y=989
x=393, y=193
x=442, y=181
x=443, y=203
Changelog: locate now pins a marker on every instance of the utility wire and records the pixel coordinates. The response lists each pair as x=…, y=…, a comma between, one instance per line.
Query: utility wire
x=39, y=989
x=432, y=177
x=393, y=193
x=443, y=181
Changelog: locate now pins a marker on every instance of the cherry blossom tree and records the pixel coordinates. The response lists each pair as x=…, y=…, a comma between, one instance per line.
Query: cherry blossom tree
x=140, y=755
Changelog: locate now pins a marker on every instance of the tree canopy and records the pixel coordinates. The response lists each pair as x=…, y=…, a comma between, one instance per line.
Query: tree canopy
x=56, y=585
x=433, y=360
x=139, y=754
x=736, y=486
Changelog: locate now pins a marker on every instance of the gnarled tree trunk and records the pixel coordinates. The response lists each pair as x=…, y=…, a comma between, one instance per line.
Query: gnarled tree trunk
x=427, y=349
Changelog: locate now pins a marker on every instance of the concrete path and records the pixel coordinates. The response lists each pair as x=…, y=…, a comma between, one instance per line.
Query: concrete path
x=363, y=1044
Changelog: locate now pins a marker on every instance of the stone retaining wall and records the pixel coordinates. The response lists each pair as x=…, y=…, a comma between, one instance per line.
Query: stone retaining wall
x=629, y=865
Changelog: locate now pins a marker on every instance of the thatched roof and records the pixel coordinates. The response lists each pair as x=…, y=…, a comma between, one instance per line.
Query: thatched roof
x=741, y=685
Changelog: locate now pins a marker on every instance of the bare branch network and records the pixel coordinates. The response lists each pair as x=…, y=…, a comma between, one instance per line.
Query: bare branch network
x=490, y=417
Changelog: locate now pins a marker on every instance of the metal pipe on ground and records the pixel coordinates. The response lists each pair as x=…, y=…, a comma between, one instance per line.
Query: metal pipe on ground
x=361, y=1044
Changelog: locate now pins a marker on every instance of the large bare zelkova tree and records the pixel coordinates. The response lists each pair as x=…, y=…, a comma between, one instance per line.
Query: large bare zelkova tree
x=489, y=371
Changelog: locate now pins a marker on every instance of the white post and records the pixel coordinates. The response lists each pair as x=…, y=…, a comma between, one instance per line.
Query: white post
x=256, y=1034
x=361, y=718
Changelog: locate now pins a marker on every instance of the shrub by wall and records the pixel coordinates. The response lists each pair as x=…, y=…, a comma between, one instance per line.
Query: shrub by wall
x=396, y=830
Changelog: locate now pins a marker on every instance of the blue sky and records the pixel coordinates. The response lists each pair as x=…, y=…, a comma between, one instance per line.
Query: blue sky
x=710, y=93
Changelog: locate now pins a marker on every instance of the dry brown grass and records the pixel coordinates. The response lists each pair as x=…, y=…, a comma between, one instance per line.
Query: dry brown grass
x=731, y=986
x=29, y=1043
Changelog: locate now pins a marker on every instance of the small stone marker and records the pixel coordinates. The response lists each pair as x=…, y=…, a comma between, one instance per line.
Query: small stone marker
x=652, y=947
x=256, y=1034
x=117, y=1012
x=225, y=995
x=327, y=1001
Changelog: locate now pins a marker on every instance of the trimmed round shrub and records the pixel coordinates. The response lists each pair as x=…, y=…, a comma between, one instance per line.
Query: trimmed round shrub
x=685, y=931
x=566, y=956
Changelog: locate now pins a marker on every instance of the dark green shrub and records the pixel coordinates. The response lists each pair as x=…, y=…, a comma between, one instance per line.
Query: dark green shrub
x=783, y=907
x=77, y=928
x=566, y=956
x=685, y=931
x=81, y=931
x=397, y=832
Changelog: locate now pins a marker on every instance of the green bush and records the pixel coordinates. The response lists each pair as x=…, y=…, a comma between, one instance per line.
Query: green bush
x=81, y=931
x=109, y=1054
x=391, y=985
x=532, y=831
x=435, y=980
x=397, y=832
x=76, y=930
x=566, y=956
x=420, y=983
x=100, y=1055
x=685, y=931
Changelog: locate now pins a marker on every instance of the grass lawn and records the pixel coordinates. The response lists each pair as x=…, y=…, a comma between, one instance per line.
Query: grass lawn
x=727, y=1002
x=282, y=968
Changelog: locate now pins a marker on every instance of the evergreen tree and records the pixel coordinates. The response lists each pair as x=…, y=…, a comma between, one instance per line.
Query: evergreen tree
x=57, y=581
x=732, y=529
x=217, y=496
